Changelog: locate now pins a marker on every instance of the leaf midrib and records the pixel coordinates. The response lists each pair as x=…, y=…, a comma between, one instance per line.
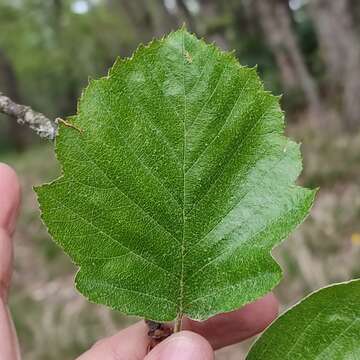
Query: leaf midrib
x=182, y=280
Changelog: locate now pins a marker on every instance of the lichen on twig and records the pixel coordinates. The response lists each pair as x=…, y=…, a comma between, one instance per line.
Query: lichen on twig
x=38, y=122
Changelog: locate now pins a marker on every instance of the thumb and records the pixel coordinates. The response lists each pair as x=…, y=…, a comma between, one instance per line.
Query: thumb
x=184, y=345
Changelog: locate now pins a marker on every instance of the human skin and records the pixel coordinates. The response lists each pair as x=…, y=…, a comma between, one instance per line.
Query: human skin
x=197, y=341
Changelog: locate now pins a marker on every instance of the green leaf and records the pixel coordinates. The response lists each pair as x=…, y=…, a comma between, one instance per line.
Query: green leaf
x=323, y=326
x=178, y=185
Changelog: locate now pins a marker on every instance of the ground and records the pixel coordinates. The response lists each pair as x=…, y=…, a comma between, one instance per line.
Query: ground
x=55, y=322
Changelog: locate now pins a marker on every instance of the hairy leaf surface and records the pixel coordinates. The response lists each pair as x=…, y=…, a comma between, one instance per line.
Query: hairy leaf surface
x=324, y=326
x=178, y=185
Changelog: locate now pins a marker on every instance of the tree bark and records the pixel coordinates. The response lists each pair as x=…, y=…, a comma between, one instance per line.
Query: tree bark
x=340, y=49
x=274, y=18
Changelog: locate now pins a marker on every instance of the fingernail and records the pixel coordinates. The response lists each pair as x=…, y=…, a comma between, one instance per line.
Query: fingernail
x=183, y=346
x=179, y=347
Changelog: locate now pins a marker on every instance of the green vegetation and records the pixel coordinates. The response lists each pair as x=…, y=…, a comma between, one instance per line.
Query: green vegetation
x=49, y=50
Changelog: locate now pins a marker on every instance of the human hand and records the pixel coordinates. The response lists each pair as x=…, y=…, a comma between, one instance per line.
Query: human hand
x=197, y=342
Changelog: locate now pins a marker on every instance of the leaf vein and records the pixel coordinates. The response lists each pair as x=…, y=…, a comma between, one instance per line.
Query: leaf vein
x=112, y=238
x=222, y=127
x=149, y=215
x=236, y=148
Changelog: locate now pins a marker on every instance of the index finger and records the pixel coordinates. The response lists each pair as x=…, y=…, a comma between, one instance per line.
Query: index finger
x=235, y=326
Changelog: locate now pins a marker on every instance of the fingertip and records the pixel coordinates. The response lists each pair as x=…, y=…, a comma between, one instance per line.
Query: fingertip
x=256, y=316
x=265, y=311
x=185, y=345
x=273, y=306
x=9, y=197
x=235, y=326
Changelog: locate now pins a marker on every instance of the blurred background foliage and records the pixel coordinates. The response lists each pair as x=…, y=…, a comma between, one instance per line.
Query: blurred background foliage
x=307, y=50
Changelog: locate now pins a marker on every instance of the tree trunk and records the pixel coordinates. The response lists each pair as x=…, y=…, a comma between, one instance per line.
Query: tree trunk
x=340, y=47
x=210, y=11
x=18, y=135
x=186, y=14
x=58, y=9
x=150, y=18
x=161, y=20
x=274, y=18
